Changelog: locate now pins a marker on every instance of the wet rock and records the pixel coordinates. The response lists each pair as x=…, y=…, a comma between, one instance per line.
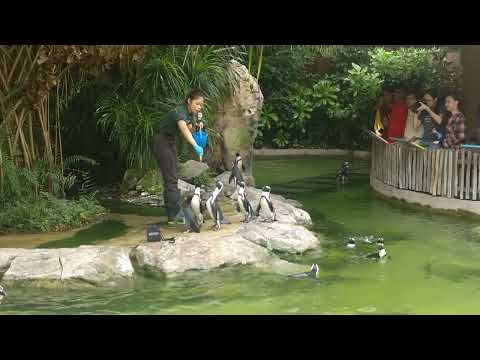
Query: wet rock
x=191, y=169
x=279, y=236
x=96, y=265
x=201, y=251
x=6, y=258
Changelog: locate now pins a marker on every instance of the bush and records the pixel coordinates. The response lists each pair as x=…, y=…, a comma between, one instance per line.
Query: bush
x=203, y=179
x=47, y=213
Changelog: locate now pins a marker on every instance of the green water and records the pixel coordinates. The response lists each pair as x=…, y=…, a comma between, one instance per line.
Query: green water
x=434, y=266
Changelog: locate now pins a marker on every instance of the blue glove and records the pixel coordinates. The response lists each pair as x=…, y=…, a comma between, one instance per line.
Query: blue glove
x=198, y=149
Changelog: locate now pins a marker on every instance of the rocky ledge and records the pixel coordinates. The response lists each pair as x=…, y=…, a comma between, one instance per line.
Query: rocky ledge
x=257, y=243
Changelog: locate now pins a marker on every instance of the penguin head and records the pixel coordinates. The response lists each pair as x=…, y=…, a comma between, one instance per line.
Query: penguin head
x=197, y=191
x=351, y=243
x=219, y=184
x=267, y=188
x=242, y=184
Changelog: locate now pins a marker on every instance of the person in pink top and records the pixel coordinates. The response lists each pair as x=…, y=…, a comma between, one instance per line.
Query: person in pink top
x=398, y=115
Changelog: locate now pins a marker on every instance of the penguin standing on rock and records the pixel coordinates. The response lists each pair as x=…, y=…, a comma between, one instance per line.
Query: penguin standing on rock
x=213, y=207
x=313, y=273
x=3, y=293
x=266, y=206
x=196, y=205
x=237, y=168
x=243, y=205
x=190, y=219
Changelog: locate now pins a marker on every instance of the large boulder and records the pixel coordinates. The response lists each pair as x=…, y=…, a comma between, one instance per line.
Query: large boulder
x=96, y=265
x=6, y=258
x=279, y=237
x=202, y=251
x=190, y=169
x=237, y=117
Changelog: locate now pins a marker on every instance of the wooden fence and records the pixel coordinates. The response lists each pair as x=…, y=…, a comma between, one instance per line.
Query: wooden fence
x=439, y=172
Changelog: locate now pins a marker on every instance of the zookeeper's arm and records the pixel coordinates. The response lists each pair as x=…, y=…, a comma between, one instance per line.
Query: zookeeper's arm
x=182, y=125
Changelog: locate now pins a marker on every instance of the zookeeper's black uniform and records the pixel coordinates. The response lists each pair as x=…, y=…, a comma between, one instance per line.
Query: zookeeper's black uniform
x=165, y=149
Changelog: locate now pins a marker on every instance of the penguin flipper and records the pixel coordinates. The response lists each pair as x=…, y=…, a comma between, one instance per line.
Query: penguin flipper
x=232, y=176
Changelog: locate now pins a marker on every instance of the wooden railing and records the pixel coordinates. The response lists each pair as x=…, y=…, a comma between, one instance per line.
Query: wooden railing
x=439, y=172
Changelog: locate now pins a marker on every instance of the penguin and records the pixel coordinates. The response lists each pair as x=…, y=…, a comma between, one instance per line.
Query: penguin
x=351, y=243
x=213, y=207
x=243, y=205
x=342, y=173
x=3, y=293
x=381, y=253
x=265, y=205
x=313, y=273
x=196, y=205
x=236, y=175
x=190, y=219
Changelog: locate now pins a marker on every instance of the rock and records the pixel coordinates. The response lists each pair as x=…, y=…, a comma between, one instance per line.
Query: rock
x=96, y=265
x=191, y=169
x=6, y=258
x=151, y=182
x=130, y=179
x=279, y=237
x=237, y=118
x=35, y=265
x=282, y=267
x=198, y=252
x=185, y=188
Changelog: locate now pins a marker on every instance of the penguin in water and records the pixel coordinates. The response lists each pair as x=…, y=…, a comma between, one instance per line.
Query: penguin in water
x=342, y=173
x=313, y=273
x=381, y=254
x=265, y=205
x=237, y=168
x=351, y=244
x=243, y=205
x=3, y=293
x=213, y=207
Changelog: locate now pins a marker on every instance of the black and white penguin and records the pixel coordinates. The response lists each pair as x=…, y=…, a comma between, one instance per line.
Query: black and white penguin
x=351, y=244
x=196, y=205
x=381, y=252
x=243, y=205
x=313, y=273
x=190, y=220
x=237, y=168
x=265, y=205
x=3, y=293
x=342, y=173
x=213, y=207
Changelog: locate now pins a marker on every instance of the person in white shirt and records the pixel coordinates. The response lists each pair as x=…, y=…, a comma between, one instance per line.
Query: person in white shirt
x=410, y=130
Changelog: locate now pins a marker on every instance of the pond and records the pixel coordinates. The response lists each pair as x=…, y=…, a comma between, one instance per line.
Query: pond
x=434, y=266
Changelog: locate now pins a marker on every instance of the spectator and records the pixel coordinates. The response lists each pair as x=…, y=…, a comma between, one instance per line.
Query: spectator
x=410, y=130
x=382, y=113
x=430, y=116
x=398, y=115
x=456, y=127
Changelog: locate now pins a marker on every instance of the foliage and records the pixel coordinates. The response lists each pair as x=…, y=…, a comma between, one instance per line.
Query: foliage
x=203, y=179
x=129, y=112
x=47, y=213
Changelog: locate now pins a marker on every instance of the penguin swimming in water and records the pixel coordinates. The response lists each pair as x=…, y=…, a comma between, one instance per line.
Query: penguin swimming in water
x=381, y=253
x=265, y=205
x=313, y=273
x=3, y=293
x=351, y=243
x=342, y=173
x=237, y=168
x=243, y=205
x=213, y=207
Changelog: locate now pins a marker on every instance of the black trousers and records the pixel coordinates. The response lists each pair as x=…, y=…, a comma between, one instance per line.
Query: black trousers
x=165, y=150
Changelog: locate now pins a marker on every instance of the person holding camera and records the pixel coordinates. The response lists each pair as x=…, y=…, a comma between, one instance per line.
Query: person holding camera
x=429, y=116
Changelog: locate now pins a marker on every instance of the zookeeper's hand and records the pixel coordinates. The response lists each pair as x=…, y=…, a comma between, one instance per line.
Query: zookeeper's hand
x=198, y=149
